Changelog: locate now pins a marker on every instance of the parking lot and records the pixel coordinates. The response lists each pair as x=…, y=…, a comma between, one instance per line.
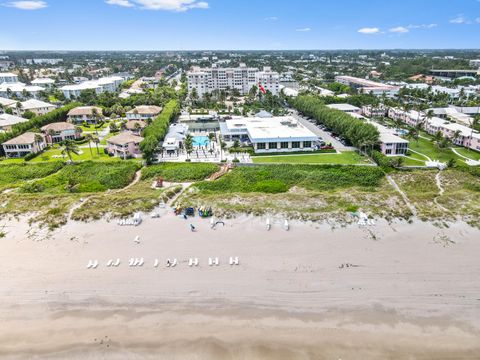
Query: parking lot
x=325, y=135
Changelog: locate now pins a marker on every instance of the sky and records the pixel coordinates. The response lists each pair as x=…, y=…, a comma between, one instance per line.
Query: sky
x=238, y=24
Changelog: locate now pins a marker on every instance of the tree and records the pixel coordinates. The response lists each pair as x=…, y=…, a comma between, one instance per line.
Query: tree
x=69, y=147
x=96, y=141
x=89, y=138
x=188, y=144
x=37, y=139
x=456, y=135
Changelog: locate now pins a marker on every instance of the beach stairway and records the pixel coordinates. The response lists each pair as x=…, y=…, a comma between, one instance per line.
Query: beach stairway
x=223, y=170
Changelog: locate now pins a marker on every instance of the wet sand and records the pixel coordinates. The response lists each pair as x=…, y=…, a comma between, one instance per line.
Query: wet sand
x=411, y=291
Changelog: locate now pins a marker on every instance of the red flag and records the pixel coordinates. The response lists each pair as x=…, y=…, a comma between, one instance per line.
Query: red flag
x=262, y=89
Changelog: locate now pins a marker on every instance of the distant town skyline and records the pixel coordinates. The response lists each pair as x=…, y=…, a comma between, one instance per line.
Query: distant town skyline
x=238, y=25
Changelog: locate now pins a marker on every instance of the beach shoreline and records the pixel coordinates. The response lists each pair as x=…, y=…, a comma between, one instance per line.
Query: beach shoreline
x=405, y=290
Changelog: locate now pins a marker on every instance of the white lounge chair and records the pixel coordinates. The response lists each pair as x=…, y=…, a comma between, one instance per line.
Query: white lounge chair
x=117, y=262
x=216, y=261
x=141, y=262
x=174, y=262
x=131, y=262
x=95, y=264
x=155, y=264
x=169, y=263
x=236, y=261
x=210, y=262
x=90, y=264
x=195, y=262
x=230, y=261
x=268, y=225
x=110, y=262
x=190, y=262
x=137, y=239
x=286, y=226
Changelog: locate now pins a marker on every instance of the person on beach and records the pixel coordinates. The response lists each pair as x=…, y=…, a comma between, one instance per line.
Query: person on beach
x=192, y=228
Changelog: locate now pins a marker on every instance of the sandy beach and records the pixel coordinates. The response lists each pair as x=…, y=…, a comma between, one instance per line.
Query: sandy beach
x=410, y=291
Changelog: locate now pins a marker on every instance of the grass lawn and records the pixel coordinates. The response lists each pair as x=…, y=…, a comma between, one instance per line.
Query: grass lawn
x=345, y=158
x=91, y=128
x=471, y=154
x=56, y=154
x=412, y=160
x=428, y=148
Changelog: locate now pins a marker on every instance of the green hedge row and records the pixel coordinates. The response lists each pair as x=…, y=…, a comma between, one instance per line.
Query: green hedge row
x=156, y=131
x=359, y=133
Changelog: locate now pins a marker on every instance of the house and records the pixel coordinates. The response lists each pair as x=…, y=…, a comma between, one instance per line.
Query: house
x=7, y=121
x=46, y=83
x=4, y=102
x=144, y=112
x=20, y=90
x=8, y=78
x=85, y=114
x=136, y=126
x=60, y=131
x=35, y=106
x=372, y=111
x=390, y=143
x=23, y=145
x=175, y=138
x=124, y=145
x=346, y=108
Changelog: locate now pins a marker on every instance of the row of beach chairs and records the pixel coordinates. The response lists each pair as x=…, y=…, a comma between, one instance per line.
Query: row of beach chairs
x=139, y=262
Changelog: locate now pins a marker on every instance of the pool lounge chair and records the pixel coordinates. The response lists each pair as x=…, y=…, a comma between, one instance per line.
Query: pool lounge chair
x=155, y=264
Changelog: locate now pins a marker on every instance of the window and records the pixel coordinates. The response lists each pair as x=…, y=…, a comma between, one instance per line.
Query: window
x=284, y=145
x=307, y=144
x=295, y=144
x=272, y=145
x=260, y=146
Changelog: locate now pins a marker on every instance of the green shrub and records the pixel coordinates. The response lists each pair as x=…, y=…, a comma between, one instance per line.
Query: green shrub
x=12, y=175
x=180, y=171
x=313, y=177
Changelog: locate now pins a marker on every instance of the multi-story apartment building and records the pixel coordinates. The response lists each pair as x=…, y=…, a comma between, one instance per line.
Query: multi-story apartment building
x=106, y=84
x=8, y=78
x=242, y=78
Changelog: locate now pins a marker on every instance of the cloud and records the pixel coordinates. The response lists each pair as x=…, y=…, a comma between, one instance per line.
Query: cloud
x=172, y=5
x=271, y=18
x=167, y=5
x=27, y=5
x=460, y=19
x=369, y=30
x=422, y=26
x=303, y=29
x=478, y=19
x=399, y=30
x=124, y=3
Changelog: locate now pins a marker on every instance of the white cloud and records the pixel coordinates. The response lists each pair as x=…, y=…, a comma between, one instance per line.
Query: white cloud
x=460, y=19
x=172, y=5
x=27, y=5
x=369, y=30
x=477, y=19
x=124, y=3
x=167, y=5
x=399, y=30
x=303, y=29
x=422, y=26
x=271, y=18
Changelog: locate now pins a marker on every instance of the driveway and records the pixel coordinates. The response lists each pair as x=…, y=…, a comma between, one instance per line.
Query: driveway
x=323, y=134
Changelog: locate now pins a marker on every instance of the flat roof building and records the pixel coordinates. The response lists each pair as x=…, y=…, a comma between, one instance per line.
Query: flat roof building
x=275, y=134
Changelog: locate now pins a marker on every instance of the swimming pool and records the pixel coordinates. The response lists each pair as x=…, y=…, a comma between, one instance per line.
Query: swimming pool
x=200, y=141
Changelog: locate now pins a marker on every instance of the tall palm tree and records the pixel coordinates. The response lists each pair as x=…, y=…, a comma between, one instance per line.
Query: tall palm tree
x=89, y=138
x=96, y=141
x=70, y=147
x=188, y=144
x=38, y=139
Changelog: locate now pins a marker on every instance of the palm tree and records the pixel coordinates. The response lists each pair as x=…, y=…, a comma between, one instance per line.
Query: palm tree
x=37, y=139
x=96, y=140
x=51, y=134
x=188, y=144
x=70, y=147
x=89, y=138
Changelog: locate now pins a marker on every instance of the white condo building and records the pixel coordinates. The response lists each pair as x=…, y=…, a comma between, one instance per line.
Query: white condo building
x=8, y=78
x=105, y=84
x=242, y=78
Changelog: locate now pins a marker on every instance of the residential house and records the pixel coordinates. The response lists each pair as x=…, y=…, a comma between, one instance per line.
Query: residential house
x=136, y=126
x=46, y=83
x=346, y=108
x=24, y=145
x=144, y=112
x=7, y=121
x=60, y=131
x=85, y=114
x=35, y=106
x=124, y=145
